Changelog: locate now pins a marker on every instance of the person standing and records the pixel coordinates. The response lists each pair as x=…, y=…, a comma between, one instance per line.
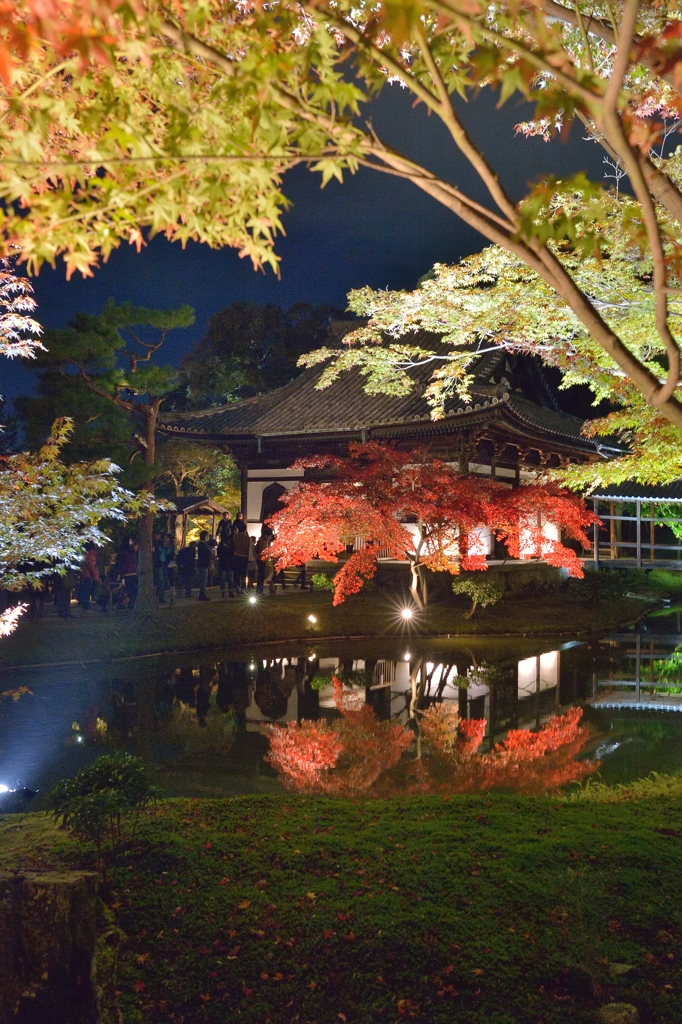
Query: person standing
x=203, y=564
x=186, y=563
x=126, y=568
x=224, y=531
x=63, y=587
x=242, y=545
x=89, y=576
x=164, y=554
x=266, y=566
x=225, y=554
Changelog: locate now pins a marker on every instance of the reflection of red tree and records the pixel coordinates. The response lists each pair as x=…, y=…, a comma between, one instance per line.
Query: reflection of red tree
x=525, y=761
x=358, y=753
x=342, y=758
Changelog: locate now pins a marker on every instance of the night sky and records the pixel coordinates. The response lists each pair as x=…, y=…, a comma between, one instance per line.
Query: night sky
x=372, y=230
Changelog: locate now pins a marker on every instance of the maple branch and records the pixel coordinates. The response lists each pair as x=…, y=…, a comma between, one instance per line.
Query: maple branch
x=550, y=269
x=612, y=126
x=461, y=137
x=604, y=30
x=539, y=259
x=597, y=26
x=39, y=82
x=451, y=189
x=471, y=25
x=115, y=204
x=354, y=35
x=585, y=37
x=105, y=161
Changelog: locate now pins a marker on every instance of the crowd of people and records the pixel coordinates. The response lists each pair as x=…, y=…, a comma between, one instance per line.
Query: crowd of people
x=231, y=560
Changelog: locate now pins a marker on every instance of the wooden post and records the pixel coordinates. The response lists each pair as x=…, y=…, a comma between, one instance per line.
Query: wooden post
x=638, y=663
x=651, y=666
x=612, y=530
x=639, y=535
x=537, y=691
x=652, y=533
x=596, y=535
x=245, y=489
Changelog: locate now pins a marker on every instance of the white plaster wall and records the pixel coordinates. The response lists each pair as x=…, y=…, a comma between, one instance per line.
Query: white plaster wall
x=549, y=673
x=254, y=496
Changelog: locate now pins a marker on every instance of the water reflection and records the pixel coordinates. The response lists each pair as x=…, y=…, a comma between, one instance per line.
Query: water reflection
x=199, y=721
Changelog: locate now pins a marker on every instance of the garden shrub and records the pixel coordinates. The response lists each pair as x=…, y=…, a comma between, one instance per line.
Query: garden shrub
x=321, y=581
x=103, y=802
x=483, y=592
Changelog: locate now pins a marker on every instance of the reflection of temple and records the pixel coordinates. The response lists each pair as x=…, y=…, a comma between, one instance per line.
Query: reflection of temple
x=522, y=694
x=639, y=672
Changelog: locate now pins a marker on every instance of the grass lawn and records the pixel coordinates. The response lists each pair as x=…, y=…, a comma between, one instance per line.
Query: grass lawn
x=497, y=909
x=193, y=626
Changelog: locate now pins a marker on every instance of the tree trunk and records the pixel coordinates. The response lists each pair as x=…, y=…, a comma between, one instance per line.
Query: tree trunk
x=146, y=594
x=417, y=688
x=414, y=586
x=423, y=585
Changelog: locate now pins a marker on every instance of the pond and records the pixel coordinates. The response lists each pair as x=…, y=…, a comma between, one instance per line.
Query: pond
x=198, y=720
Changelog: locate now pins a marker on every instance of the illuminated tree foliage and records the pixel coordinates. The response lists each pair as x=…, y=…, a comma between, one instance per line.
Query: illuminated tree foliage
x=492, y=300
x=193, y=468
x=49, y=511
x=19, y=332
x=123, y=119
x=408, y=506
x=357, y=754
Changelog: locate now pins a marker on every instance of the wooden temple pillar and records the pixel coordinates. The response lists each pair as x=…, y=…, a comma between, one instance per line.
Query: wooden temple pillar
x=652, y=533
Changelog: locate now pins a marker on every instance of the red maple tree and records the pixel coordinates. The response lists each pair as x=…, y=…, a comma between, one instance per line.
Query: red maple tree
x=408, y=506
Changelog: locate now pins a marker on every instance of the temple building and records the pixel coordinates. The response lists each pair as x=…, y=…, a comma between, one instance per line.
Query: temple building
x=511, y=428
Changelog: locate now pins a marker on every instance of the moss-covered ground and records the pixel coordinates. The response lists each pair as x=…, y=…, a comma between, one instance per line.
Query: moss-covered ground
x=189, y=625
x=496, y=909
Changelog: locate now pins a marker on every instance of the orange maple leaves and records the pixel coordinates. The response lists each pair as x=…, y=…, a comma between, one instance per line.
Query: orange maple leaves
x=83, y=26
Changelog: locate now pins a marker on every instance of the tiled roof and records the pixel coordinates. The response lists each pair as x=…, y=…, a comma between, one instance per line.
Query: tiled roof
x=640, y=492
x=191, y=502
x=300, y=408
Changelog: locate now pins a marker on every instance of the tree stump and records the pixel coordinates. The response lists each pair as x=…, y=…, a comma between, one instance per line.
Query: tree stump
x=48, y=928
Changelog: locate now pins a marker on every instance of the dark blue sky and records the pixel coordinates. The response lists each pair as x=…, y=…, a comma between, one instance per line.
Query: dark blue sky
x=372, y=230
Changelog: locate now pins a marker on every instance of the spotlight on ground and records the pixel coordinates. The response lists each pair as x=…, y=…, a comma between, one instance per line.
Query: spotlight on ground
x=252, y=599
x=406, y=614
x=312, y=619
